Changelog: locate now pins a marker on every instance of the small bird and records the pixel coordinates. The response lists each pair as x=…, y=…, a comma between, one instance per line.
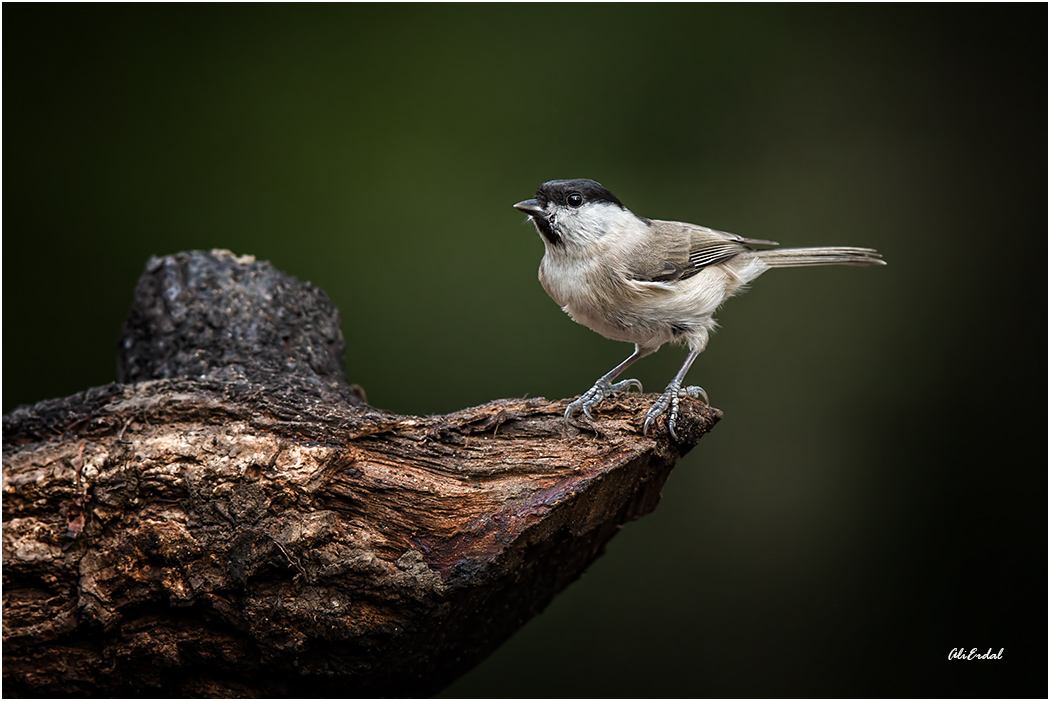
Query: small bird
x=649, y=282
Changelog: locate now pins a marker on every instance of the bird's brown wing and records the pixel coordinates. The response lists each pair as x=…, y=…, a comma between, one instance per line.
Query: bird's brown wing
x=677, y=251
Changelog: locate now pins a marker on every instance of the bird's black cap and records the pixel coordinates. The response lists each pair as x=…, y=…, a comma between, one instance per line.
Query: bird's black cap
x=558, y=191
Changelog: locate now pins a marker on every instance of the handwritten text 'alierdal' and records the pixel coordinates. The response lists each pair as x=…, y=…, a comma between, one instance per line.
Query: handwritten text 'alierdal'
x=958, y=653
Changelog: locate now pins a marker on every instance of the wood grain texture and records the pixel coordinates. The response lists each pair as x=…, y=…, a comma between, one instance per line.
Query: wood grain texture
x=256, y=529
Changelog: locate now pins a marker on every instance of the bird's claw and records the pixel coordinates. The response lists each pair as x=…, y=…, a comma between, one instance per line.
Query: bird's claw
x=595, y=395
x=669, y=400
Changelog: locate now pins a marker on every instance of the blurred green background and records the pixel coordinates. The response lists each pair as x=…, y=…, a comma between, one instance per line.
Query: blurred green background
x=876, y=494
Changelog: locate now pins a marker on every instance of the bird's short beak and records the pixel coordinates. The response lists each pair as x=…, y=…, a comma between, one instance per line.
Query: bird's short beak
x=530, y=207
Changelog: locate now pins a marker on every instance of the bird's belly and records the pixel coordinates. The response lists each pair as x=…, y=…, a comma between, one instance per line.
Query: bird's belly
x=653, y=313
x=636, y=311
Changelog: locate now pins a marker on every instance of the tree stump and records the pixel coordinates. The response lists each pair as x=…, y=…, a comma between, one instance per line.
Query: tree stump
x=233, y=519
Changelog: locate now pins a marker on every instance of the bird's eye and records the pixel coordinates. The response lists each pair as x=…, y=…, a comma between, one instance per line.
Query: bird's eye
x=575, y=199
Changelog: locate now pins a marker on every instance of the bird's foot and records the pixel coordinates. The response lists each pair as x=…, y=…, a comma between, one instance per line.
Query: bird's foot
x=594, y=396
x=669, y=400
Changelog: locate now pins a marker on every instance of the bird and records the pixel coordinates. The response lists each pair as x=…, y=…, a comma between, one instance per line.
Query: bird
x=649, y=282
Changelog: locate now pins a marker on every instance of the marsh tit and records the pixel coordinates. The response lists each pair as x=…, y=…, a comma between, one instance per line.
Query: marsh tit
x=649, y=282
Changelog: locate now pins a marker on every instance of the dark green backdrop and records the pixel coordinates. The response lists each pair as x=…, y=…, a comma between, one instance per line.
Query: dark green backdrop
x=876, y=494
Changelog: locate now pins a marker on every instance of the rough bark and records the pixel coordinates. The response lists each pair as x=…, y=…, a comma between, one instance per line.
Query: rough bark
x=234, y=520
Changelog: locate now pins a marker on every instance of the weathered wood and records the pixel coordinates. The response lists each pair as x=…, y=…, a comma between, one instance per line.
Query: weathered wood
x=248, y=526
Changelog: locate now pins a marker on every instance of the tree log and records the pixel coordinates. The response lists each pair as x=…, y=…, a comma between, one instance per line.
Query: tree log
x=233, y=519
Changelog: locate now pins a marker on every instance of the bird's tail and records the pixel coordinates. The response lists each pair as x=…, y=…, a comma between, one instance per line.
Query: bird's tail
x=823, y=255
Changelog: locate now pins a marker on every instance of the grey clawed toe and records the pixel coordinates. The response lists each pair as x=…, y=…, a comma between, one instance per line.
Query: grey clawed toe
x=595, y=395
x=669, y=400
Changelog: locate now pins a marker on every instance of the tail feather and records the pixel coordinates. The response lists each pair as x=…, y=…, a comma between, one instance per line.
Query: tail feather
x=823, y=255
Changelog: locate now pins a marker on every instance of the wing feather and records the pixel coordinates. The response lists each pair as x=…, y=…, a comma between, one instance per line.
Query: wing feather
x=676, y=250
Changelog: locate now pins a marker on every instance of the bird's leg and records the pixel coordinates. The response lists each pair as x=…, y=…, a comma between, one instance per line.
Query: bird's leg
x=604, y=388
x=670, y=397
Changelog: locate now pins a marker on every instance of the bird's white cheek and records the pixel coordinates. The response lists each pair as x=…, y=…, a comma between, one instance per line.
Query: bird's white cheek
x=595, y=222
